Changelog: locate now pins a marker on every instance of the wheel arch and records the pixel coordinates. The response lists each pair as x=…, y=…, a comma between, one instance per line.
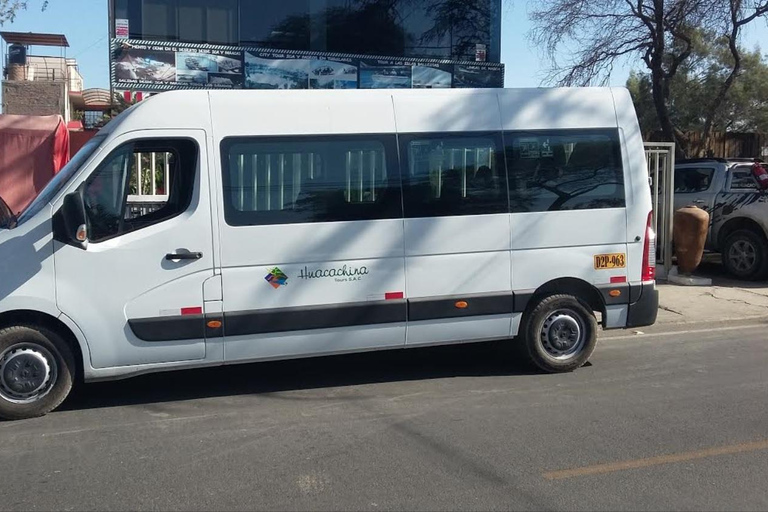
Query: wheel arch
x=579, y=288
x=739, y=223
x=46, y=321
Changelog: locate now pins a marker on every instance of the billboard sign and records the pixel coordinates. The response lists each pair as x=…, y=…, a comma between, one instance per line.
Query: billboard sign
x=149, y=66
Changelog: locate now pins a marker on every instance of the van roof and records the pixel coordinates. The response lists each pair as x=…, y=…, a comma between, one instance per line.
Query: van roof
x=284, y=112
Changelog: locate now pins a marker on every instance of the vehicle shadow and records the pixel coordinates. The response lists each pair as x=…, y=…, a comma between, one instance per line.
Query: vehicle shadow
x=712, y=267
x=490, y=359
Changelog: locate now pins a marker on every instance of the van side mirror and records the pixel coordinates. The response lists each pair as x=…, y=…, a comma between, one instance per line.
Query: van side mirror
x=70, y=225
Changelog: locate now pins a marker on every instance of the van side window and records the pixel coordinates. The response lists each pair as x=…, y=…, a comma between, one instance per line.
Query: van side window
x=138, y=185
x=453, y=175
x=564, y=170
x=288, y=180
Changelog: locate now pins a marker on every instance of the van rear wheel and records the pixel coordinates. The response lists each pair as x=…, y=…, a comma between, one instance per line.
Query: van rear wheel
x=37, y=369
x=745, y=255
x=559, y=334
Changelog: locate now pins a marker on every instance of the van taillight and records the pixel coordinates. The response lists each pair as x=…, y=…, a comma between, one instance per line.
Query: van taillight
x=649, y=252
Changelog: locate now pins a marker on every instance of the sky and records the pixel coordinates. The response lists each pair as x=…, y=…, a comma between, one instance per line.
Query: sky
x=84, y=22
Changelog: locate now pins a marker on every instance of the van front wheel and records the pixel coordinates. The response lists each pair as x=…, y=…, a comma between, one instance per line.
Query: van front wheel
x=559, y=334
x=37, y=370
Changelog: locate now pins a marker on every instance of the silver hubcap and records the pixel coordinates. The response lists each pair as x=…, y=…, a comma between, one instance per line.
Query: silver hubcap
x=563, y=334
x=27, y=373
x=742, y=255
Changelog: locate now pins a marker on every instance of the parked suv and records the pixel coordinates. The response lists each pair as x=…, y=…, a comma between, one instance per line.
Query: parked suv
x=738, y=209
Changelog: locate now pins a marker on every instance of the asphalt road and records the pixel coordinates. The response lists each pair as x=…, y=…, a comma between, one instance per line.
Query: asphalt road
x=655, y=422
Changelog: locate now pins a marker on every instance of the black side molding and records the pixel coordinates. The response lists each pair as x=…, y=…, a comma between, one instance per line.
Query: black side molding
x=304, y=318
x=449, y=307
x=314, y=317
x=173, y=328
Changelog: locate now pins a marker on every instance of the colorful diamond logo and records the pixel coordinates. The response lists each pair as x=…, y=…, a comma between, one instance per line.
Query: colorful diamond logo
x=276, y=278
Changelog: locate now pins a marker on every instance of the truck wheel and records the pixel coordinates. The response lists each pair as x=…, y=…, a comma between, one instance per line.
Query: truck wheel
x=37, y=369
x=559, y=334
x=745, y=255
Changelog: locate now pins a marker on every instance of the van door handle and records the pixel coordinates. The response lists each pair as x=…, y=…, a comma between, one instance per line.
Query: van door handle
x=184, y=256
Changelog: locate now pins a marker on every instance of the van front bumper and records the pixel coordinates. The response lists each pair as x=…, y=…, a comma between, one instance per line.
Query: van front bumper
x=644, y=307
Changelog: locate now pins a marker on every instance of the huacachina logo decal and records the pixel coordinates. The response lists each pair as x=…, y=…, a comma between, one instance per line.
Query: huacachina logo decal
x=276, y=278
x=342, y=274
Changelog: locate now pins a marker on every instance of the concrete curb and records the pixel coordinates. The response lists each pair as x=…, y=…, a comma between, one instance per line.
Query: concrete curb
x=669, y=327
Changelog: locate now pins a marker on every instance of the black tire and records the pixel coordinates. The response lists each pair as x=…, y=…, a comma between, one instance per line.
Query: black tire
x=38, y=345
x=540, y=348
x=745, y=255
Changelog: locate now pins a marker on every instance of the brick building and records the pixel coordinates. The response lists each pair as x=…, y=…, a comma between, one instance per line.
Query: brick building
x=42, y=85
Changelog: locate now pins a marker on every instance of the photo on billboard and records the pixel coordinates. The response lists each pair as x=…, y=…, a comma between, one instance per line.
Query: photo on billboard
x=466, y=76
x=261, y=73
x=385, y=77
x=133, y=65
x=432, y=77
x=230, y=64
x=188, y=61
x=191, y=77
x=225, y=81
x=328, y=74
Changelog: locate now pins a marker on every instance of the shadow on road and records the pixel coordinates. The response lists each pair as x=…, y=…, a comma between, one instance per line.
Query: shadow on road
x=475, y=360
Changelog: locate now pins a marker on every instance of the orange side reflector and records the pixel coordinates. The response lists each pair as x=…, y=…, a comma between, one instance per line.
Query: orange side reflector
x=214, y=324
x=462, y=304
x=615, y=293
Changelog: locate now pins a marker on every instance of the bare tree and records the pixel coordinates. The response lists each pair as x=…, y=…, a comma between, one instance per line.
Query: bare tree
x=738, y=13
x=600, y=33
x=9, y=9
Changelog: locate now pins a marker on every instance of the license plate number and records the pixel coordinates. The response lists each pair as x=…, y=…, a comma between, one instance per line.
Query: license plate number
x=603, y=261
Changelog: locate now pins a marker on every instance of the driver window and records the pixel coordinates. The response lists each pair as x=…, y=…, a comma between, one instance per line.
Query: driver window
x=138, y=185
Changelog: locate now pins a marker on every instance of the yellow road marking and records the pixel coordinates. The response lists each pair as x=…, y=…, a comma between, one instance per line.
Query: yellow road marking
x=601, y=469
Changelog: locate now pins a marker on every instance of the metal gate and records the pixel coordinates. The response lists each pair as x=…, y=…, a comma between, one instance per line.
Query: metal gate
x=660, y=157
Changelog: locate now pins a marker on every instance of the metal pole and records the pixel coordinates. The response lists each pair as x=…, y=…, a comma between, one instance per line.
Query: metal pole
x=655, y=169
x=282, y=181
x=167, y=175
x=373, y=175
x=671, y=206
x=139, y=188
x=255, y=172
x=153, y=163
x=360, y=169
x=241, y=181
x=348, y=163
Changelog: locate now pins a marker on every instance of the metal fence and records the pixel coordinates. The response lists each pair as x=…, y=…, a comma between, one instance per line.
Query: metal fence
x=660, y=157
x=150, y=183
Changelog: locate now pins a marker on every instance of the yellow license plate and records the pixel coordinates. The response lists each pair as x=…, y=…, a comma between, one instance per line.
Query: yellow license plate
x=603, y=261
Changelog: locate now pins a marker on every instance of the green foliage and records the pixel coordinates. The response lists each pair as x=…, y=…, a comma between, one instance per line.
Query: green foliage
x=10, y=8
x=696, y=85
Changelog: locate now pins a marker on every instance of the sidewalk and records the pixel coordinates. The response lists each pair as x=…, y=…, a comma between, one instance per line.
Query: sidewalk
x=725, y=300
x=706, y=304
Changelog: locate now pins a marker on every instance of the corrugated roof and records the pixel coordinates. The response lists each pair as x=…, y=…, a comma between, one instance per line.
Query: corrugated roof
x=34, y=39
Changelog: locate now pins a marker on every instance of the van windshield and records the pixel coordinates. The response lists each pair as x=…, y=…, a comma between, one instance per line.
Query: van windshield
x=61, y=179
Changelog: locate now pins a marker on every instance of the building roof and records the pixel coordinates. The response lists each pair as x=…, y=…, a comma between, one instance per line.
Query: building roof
x=91, y=99
x=34, y=39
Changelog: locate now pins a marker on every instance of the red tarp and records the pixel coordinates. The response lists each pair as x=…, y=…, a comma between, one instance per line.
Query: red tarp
x=32, y=150
x=78, y=139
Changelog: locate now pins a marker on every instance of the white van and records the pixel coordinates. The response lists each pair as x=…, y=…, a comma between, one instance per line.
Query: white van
x=205, y=228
